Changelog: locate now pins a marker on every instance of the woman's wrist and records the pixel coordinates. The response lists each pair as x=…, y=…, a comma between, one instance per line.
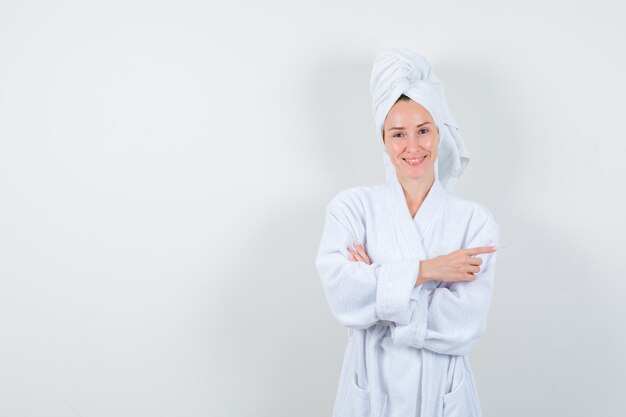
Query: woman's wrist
x=422, y=276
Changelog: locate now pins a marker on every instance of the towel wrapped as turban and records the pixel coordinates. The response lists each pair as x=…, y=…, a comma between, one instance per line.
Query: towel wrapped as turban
x=400, y=71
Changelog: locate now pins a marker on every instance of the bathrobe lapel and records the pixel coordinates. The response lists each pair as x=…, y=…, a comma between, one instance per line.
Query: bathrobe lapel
x=410, y=231
x=409, y=234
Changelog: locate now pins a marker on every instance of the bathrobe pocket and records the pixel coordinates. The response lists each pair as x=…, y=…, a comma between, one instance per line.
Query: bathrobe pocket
x=359, y=400
x=459, y=402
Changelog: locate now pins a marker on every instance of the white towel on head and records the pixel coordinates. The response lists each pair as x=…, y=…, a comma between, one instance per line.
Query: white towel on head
x=400, y=71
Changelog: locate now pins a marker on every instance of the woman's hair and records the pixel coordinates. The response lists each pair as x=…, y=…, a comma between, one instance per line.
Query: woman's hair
x=401, y=98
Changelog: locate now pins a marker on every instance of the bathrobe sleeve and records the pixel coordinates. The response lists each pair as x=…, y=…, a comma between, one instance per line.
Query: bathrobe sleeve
x=360, y=295
x=450, y=320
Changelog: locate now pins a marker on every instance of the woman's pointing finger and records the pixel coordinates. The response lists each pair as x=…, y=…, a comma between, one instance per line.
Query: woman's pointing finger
x=481, y=249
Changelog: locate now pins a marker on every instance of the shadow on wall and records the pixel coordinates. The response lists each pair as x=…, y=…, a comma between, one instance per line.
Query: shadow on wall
x=347, y=152
x=277, y=343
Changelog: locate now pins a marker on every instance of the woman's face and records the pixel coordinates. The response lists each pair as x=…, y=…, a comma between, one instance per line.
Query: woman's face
x=411, y=139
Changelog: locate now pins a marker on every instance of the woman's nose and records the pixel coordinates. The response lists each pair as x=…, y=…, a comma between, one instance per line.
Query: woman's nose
x=414, y=142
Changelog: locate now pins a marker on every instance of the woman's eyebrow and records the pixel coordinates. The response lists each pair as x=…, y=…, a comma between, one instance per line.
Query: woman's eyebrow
x=401, y=128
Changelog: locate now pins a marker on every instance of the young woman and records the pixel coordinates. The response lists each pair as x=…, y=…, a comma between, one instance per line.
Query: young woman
x=399, y=261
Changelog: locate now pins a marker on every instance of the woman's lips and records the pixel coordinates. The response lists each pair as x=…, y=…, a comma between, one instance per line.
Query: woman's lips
x=414, y=161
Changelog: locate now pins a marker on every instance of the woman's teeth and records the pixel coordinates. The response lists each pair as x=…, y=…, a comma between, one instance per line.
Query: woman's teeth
x=415, y=161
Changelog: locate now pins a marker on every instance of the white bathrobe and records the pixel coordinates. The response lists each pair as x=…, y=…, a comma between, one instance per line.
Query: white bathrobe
x=407, y=347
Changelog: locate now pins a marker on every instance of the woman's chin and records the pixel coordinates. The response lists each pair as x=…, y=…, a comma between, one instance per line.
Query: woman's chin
x=415, y=173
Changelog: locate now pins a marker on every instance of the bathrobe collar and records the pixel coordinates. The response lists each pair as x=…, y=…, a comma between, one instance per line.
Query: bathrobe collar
x=411, y=230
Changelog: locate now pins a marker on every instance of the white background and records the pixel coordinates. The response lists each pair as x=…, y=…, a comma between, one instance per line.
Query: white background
x=164, y=167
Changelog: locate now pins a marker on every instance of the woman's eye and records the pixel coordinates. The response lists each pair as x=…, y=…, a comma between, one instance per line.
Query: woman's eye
x=397, y=135
x=424, y=130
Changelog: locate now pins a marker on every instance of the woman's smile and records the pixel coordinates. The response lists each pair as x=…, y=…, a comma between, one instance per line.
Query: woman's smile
x=415, y=161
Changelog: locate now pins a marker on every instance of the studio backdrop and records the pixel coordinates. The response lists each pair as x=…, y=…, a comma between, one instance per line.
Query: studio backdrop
x=164, y=168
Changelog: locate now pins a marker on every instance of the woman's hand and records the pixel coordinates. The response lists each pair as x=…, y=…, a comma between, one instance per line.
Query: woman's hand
x=459, y=265
x=358, y=254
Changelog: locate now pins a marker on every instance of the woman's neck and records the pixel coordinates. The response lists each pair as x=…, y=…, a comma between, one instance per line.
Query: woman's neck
x=415, y=191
